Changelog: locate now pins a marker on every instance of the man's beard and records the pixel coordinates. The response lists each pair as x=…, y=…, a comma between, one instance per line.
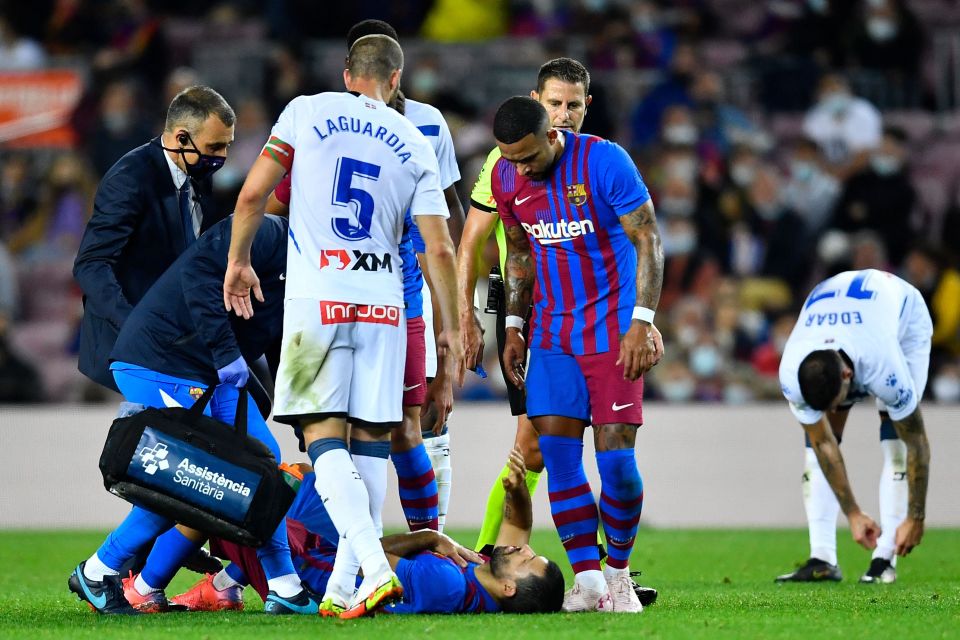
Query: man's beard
x=498, y=561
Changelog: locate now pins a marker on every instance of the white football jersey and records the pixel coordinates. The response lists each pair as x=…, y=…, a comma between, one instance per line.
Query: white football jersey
x=869, y=315
x=358, y=166
x=431, y=124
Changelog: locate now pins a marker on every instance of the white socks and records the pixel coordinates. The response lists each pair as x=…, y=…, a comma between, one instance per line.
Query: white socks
x=893, y=497
x=285, y=586
x=592, y=580
x=374, y=471
x=142, y=587
x=223, y=581
x=343, y=579
x=95, y=570
x=343, y=493
x=822, y=510
x=438, y=449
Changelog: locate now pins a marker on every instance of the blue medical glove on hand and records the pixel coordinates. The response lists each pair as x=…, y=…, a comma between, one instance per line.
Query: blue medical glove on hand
x=235, y=373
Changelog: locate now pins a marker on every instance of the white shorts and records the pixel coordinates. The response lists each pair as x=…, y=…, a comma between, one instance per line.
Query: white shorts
x=340, y=359
x=916, y=332
x=428, y=335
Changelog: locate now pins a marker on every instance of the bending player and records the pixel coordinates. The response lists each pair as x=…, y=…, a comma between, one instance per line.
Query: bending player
x=860, y=333
x=594, y=274
x=177, y=338
x=438, y=575
x=356, y=168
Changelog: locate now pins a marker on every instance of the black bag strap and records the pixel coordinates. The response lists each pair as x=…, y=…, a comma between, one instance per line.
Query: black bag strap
x=239, y=419
x=197, y=409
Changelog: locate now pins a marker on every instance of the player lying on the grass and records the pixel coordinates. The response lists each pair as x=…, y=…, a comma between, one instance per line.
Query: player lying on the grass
x=176, y=338
x=438, y=575
x=860, y=333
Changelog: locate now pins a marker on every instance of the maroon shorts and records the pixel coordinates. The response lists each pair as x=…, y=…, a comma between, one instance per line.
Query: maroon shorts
x=589, y=388
x=415, y=371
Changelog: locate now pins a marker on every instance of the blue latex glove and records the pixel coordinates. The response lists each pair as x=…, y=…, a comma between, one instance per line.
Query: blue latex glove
x=235, y=373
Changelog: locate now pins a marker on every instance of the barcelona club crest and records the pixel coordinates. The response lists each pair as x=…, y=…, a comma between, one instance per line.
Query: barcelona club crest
x=576, y=194
x=196, y=392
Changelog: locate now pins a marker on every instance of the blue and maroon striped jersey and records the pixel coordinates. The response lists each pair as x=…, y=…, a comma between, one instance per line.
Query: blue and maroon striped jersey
x=586, y=266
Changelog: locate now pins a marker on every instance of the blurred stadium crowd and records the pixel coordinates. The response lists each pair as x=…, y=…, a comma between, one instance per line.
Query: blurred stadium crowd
x=782, y=140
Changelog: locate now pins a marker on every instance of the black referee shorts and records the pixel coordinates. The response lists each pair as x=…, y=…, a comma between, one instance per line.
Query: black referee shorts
x=517, y=397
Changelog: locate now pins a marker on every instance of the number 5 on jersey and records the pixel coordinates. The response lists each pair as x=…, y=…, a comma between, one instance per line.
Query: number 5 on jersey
x=353, y=228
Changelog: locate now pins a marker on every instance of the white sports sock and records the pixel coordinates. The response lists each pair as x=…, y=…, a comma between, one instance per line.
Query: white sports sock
x=95, y=570
x=374, y=471
x=893, y=497
x=223, y=581
x=822, y=510
x=285, y=586
x=343, y=493
x=438, y=449
x=142, y=587
x=343, y=579
x=592, y=580
x=609, y=573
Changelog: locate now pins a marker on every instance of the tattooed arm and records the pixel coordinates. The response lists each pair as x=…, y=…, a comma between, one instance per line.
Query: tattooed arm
x=642, y=347
x=913, y=434
x=517, y=507
x=862, y=527
x=519, y=291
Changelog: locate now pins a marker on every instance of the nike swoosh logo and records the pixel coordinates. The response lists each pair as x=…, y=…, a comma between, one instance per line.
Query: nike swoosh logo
x=309, y=608
x=621, y=407
x=98, y=601
x=517, y=201
x=283, y=276
x=406, y=388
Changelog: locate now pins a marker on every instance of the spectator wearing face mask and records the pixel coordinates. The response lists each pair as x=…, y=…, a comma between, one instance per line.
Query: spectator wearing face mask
x=846, y=128
x=811, y=190
x=888, y=38
x=673, y=90
x=778, y=230
x=881, y=197
x=119, y=128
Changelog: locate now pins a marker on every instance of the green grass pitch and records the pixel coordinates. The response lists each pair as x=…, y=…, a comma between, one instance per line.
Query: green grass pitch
x=713, y=584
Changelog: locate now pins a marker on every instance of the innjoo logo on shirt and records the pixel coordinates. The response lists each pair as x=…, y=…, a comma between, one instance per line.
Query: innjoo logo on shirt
x=341, y=312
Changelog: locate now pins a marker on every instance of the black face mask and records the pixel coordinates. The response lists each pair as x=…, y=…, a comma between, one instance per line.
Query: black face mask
x=206, y=164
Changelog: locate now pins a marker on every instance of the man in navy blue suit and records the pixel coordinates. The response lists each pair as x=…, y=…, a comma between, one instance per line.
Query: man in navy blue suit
x=150, y=206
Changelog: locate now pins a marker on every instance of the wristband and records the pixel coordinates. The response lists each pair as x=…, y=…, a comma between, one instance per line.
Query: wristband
x=643, y=314
x=513, y=322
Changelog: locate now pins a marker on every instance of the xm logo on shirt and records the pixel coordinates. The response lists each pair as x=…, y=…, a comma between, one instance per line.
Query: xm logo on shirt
x=355, y=260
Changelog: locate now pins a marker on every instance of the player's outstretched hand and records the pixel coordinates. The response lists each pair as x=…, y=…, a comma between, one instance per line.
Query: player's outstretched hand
x=237, y=283
x=471, y=335
x=517, y=471
x=640, y=349
x=447, y=546
x=909, y=534
x=513, y=352
x=864, y=530
x=439, y=401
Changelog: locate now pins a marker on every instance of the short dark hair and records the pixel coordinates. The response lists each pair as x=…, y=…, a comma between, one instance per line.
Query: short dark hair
x=566, y=70
x=517, y=118
x=820, y=378
x=370, y=28
x=537, y=594
x=191, y=107
x=375, y=56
